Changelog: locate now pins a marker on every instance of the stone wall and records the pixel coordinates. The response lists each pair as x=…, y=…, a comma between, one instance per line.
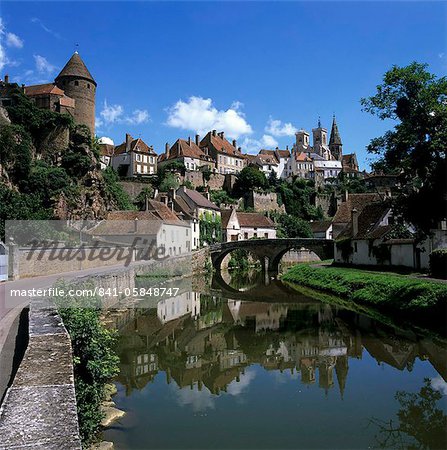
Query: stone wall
x=263, y=202
x=39, y=409
x=133, y=188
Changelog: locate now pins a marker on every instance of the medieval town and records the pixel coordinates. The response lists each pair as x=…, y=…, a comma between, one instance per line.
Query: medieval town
x=218, y=292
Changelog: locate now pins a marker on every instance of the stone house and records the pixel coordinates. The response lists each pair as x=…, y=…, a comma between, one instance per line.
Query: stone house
x=189, y=153
x=158, y=226
x=374, y=237
x=241, y=226
x=134, y=158
x=106, y=152
x=266, y=163
x=321, y=229
x=192, y=207
x=302, y=165
x=350, y=166
x=343, y=216
x=282, y=158
x=228, y=157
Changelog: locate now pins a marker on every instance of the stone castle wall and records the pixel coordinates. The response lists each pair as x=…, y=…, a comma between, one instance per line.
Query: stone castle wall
x=263, y=202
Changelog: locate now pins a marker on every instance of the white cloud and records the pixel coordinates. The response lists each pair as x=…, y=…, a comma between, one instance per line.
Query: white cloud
x=439, y=384
x=199, y=114
x=43, y=66
x=111, y=114
x=237, y=387
x=277, y=128
x=138, y=116
x=12, y=40
x=106, y=140
x=45, y=28
x=199, y=400
x=252, y=146
x=269, y=141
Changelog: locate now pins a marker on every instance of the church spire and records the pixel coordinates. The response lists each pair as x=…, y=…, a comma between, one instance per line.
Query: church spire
x=335, y=135
x=335, y=144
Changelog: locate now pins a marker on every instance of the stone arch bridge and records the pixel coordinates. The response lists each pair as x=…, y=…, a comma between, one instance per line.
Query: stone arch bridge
x=270, y=251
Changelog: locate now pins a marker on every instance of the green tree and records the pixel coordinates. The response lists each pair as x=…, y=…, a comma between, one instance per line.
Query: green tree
x=250, y=178
x=146, y=193
x=421, y=425
x=118, y=195
x=293, y=227
x=416, y=102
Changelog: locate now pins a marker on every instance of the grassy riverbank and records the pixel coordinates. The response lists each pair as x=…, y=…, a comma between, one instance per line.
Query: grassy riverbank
x=401, y=296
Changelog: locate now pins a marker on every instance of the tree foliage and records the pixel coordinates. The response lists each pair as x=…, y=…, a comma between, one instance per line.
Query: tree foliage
x=249, y=179
x=416, y=101
x=293, y=227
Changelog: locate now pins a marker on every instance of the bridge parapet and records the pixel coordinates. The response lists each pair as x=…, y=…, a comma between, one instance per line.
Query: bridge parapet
x=270, y=251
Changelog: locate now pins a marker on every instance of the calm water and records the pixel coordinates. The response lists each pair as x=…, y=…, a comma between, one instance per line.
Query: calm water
x=270, y=368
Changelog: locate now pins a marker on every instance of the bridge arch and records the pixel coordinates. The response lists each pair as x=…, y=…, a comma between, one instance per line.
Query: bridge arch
x=270, y=251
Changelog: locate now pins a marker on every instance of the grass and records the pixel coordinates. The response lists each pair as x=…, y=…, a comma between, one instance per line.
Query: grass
x=400, y=296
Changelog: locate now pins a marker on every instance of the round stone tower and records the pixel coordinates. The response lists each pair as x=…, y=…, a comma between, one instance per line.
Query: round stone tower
x=77, y=82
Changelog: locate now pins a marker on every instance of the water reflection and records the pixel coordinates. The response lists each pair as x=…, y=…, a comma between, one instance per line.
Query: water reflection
x=209, y=350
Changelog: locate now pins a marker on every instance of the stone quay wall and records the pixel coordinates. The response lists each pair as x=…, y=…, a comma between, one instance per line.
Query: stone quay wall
x=39, y=409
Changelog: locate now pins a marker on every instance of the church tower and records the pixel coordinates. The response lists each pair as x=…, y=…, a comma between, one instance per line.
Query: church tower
x=319, y=136
x=77, y=82
x=302, y=143
x=335, y=144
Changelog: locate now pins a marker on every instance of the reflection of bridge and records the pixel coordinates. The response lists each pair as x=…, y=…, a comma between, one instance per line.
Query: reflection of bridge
x=270, y=251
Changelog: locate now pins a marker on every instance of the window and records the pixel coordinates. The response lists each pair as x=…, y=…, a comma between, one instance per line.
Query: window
x=145, y=158
x=88, y=85
x=266, y=235
x=151, y=160
x=76, y=83
x=138, y=158
x=144, y=169
x=245, y=235
x=138, y=168
x=355, y=247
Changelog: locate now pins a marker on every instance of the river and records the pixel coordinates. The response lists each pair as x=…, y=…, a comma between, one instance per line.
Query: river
x=264, y=367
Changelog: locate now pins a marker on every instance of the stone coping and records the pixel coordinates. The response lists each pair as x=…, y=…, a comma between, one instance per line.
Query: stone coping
x=39, y=409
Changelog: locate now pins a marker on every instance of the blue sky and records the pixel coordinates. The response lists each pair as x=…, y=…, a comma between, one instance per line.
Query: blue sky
x=166, y=70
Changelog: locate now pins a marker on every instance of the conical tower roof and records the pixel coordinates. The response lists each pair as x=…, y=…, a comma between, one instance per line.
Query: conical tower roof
x=75, y=67
x=335, y=138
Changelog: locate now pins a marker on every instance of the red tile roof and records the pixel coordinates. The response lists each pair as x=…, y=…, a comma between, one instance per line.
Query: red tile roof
x=182, y=148
x=221, y=145
x=200, y=200
x=136, y=145
x=252, y=220
x=43, y=89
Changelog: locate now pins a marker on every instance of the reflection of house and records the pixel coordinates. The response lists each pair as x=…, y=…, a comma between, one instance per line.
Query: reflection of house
x=266, y=316
x=134, y=158
x=175, y=307
x=240, y=226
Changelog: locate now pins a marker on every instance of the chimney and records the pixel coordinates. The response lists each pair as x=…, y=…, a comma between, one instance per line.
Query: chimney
x=197, y=139
x=167, y=148
x=146, y=203
x=189, y=140
x=172, y=193
x=155, y=193
x=207, y=193
x=345, y=196
x=135, y=225
x=355, y=222
x=234, y=143
x=222, y=135
x=287, y=147
x=6, y=78
x=214, y=132
x=128, y=141
x=164, y=199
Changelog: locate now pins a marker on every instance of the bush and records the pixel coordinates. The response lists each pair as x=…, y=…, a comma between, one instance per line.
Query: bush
x=438, y=263
x=94, y=360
